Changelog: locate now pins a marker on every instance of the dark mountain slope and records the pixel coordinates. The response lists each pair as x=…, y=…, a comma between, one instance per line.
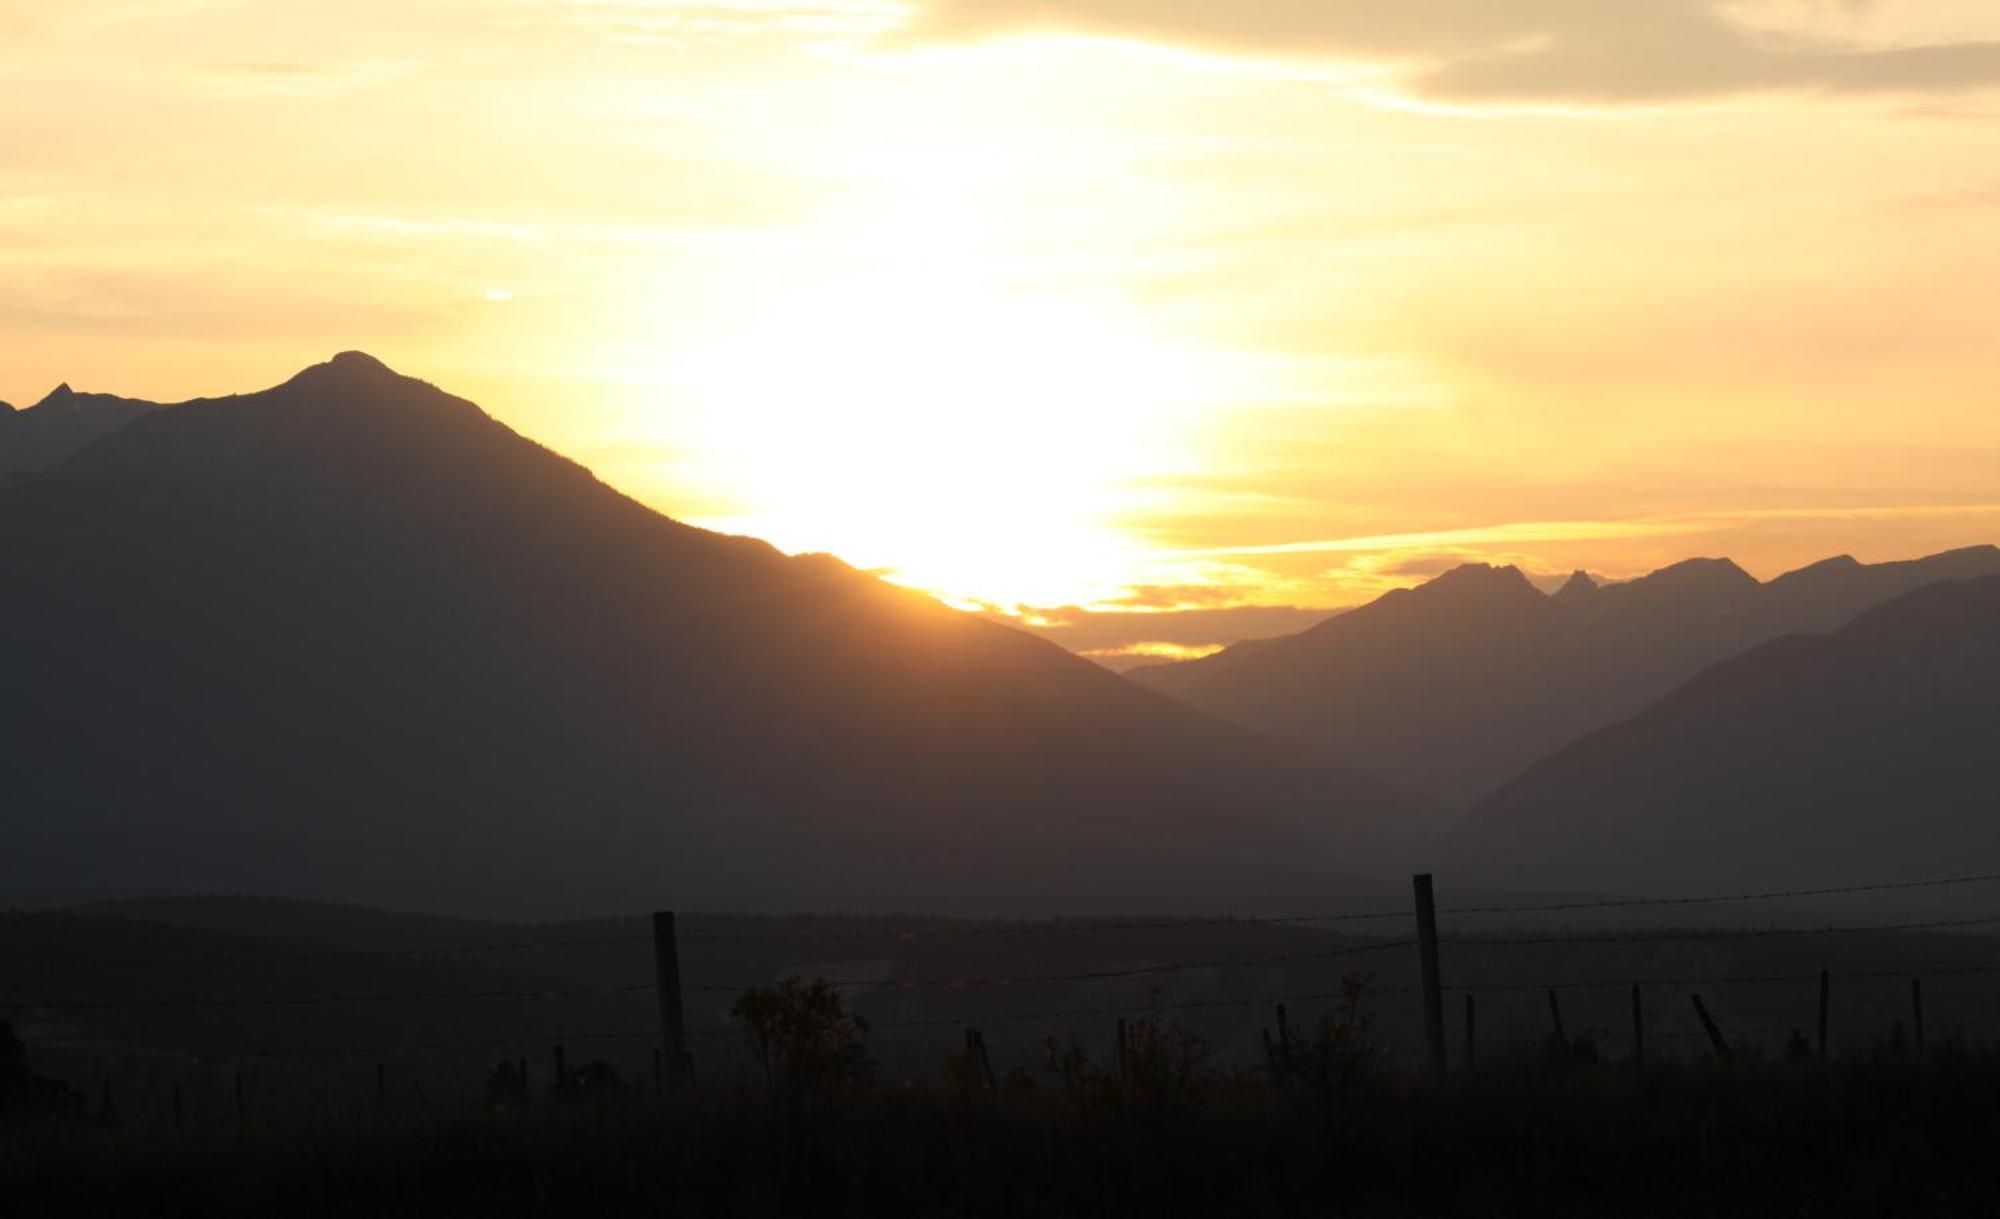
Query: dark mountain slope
x=60, y=424
x=1458, y=685
x=1869, y=752
x=351, y=638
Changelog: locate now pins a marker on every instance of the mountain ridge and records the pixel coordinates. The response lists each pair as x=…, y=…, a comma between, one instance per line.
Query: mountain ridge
x=388, y=650
x=1454, y=686
x=1857, y=752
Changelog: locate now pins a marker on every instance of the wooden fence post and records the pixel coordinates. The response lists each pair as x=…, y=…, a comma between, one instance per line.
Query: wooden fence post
x=667, y=976
x=976, y=1042
x=1715, y=1038
x=1556, y=1017
x=561, y=1084
x=659, y=1074
x=179, y=1111
x=1825, y=987
x=1638, y=1028
x=1917, y=1009
x=381, y=1087
x=239, y=1096
x=1427, y=958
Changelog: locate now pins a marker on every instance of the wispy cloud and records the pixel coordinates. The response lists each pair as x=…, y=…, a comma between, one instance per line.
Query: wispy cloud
x=1480, y=51
x=1518, y=532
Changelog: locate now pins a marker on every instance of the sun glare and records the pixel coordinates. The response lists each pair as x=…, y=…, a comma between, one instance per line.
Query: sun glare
x=928, y=418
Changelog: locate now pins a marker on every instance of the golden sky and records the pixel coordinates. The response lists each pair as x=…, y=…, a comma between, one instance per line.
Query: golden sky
x=1204, y=308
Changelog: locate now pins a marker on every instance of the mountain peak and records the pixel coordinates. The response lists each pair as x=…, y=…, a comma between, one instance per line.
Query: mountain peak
x=1480, y=575
x=1578, y=586
x=358, y=361
x=349, y=368
x=1698, y=573
x=56, y=397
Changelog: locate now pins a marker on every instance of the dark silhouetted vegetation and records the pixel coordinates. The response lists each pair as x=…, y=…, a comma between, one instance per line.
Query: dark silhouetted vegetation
x=1887, y=1130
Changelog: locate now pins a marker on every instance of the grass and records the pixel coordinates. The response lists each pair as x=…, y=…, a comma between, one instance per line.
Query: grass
x=1877, y=1133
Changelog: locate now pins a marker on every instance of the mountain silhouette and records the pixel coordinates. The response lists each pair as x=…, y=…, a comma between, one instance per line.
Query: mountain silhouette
x=352, y=638
x=1455, y=686
x=1869, y=751
x=59, y=425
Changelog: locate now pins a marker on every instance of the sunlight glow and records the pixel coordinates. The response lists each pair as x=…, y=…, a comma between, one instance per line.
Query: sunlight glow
x=927, y=417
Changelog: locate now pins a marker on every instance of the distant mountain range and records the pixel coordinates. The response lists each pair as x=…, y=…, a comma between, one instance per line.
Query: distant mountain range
x=1871, y=752
x=350, y=637
x=1455, y=687
x=58, y=425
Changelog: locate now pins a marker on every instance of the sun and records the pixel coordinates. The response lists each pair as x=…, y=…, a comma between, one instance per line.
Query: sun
x=973, y=438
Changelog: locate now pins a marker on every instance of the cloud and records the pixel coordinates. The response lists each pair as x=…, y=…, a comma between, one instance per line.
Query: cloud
x=1512, y=51
x=1455, y=541
x=1121, y=639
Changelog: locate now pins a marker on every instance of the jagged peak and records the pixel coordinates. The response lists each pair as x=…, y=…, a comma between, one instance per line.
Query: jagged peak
x=1579, y=585
x=56, y=397
x=1481, y=575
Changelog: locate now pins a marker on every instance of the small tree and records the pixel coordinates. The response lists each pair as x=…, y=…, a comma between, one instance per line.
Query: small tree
x=809, y=1046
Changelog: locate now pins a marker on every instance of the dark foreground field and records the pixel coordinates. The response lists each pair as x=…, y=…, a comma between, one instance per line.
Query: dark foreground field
x=1881, y=1132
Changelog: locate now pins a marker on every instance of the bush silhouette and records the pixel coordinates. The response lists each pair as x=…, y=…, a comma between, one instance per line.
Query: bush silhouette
x=809, y=1047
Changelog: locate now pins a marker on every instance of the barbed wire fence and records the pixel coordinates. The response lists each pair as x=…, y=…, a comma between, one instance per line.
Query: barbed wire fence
x=672, y=1038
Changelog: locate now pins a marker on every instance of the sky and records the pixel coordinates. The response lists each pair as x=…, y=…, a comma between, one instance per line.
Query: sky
x=1150, y=324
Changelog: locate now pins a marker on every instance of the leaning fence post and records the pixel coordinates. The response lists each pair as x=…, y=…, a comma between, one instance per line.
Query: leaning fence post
x=975, y=1041
x=1427, y=958
x=239, y=1096
x=1708, y=1026
x=381, y=1087
x=667, y=977
x=179, y=1111
x=1825, y=984
x=1638, y=1028
x=1556, y=1018
x=1917, y=1009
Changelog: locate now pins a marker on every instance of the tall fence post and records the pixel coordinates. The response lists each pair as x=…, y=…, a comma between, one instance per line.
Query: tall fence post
x=1427, y=955
x=673, y=1029
x=1825, y=987
x=1638, y=1028
x=1917, y=1009
x=1556, y=1022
